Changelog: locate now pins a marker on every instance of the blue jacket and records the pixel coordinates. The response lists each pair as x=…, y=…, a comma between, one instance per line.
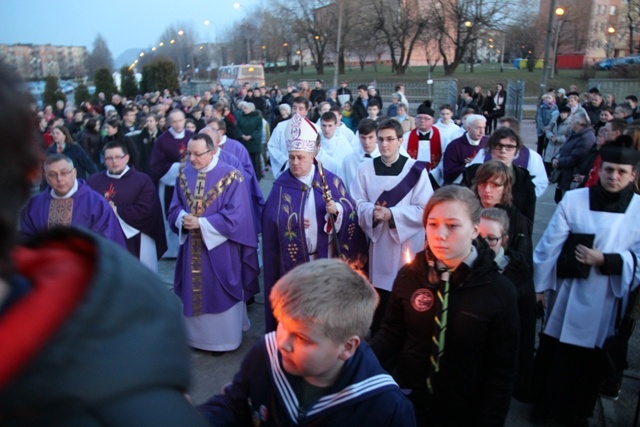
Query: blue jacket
x=262, y=393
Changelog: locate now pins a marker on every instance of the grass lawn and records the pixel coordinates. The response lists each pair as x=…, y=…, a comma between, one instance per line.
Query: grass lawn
x=485, y=75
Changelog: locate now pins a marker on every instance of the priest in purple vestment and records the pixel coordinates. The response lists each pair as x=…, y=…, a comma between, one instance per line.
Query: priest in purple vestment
x=298, y=224
x=233, y=148
x=461, y=151
x=69, y=201
x=167, y=156
x=135, y=201
x=217, y=266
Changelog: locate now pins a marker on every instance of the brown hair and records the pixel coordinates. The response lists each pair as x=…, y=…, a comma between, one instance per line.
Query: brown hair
x=494, y=170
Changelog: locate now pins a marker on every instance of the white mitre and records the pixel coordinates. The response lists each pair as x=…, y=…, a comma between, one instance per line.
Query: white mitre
x=300, y=134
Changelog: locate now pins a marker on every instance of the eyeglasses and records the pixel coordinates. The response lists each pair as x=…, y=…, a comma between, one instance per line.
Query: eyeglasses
x=507, y=147
x=61, y=174
x=189, y=153
x=387, y=139
x=114, y=158
x=492, y=240
x=421, y=117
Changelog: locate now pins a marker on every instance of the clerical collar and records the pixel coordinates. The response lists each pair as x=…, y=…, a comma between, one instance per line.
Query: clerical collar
x=601, y=200
x=120, y=175
x=223, y=140
x=177, y=135
x=391, y=163
x=308, y=178
x=210, y=166
x=395, y=169
x=473, y=142
x=375, y=153
x=424, y=133
x=71, y=192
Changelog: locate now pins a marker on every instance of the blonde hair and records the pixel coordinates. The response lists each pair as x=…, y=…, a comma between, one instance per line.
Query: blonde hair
x=329, y=294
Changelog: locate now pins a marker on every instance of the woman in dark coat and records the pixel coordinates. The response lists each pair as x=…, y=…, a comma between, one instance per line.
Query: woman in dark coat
x=461, y=368
x=63, y=143
x=91, y=141
x=249, y=126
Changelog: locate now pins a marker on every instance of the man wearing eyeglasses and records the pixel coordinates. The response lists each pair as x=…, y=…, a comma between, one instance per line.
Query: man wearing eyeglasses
x=423, y=143
x=68, y=201
x=134, y=200
x=390, y=192
x=217, y=260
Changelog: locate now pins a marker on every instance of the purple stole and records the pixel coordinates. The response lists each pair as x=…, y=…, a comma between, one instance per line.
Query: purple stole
x=522, y=160
x=392, y=197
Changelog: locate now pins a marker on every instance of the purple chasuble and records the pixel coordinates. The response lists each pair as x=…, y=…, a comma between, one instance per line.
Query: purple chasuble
x=257, y=201
x=89, y=210
x=455, y=153
x=283, y=232
x=212, y=281
x=138, y=205
x=166, y=151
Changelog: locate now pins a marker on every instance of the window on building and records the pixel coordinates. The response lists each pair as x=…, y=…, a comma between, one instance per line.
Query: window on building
x=612, y=10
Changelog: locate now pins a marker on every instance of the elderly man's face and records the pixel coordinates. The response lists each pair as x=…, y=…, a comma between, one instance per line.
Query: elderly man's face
x=61, y=176
x=198, y=154
x=177, y=121
x=476, y=129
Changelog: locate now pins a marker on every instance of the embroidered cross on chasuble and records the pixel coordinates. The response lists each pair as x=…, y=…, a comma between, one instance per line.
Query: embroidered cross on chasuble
x=441, y=325
x=198, y=202
x=60, y=211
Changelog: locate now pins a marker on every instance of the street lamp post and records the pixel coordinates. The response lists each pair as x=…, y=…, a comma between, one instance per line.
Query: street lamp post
x=559, y=12
x=610, y=32
x=547, y=45
x=299, y=52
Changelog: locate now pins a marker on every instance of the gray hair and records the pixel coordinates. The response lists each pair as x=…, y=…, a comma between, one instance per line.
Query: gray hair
x=581, y=117
x=249, y=106
x=285, y=107
x=471, y=118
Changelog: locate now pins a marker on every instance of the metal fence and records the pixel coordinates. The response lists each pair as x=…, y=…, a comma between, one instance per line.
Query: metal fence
x=515, y=99
x=621, y=88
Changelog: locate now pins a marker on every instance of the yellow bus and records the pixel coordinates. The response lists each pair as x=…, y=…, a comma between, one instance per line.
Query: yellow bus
x=238, y=75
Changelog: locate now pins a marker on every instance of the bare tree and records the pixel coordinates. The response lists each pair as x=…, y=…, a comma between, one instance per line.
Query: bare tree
x=312, y=21
x=100, y=56
x=460, y=23
x=632, y=18
x=398, y=25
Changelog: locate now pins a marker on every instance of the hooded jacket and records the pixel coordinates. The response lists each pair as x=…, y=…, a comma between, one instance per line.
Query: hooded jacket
x=90, y=337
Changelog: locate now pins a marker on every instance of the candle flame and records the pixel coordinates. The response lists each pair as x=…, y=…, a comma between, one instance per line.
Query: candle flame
x=407, y=256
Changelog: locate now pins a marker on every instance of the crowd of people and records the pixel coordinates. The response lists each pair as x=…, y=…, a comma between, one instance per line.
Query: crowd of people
x=401, y=283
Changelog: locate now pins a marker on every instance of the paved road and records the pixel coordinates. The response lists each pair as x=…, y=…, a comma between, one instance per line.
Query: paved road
x=211, y=373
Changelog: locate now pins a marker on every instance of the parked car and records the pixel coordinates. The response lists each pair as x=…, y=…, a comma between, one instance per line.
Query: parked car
x=612, y=63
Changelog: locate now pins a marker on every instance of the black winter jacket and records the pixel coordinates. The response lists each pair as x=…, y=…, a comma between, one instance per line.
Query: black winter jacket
x=477, y=370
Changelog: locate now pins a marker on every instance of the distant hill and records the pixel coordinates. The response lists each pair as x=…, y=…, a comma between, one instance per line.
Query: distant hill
x=127, y=57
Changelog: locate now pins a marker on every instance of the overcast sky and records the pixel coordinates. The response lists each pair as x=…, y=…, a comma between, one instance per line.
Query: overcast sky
x=123, y=23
